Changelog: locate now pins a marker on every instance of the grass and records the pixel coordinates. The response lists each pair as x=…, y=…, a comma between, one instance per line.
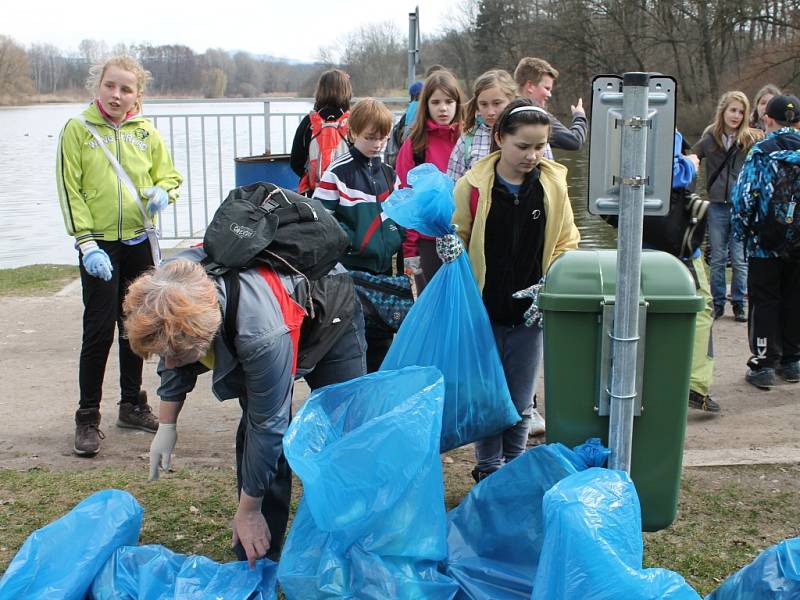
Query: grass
x=35, y=279
x=727, y=514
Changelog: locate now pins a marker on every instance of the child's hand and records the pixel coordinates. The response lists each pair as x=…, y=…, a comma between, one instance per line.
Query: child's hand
x=577, y=108
x=157, y=199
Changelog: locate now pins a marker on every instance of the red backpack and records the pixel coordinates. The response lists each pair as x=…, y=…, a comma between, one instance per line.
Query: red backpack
x=328, y=140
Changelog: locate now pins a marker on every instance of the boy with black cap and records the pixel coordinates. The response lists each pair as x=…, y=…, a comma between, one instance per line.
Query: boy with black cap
x=766, y=216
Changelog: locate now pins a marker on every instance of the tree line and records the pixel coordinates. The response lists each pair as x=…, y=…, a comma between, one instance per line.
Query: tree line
x=709, y=46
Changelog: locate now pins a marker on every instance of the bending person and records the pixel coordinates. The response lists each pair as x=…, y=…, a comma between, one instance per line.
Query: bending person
x=175, y=311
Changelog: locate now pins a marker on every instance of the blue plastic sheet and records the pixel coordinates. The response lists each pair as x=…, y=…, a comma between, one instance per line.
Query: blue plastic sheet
x=495, y=535
x=60, y=560
x=593, y=544
x=371, y=524
x=773, y=575
x=448, y=327
x=156, y=573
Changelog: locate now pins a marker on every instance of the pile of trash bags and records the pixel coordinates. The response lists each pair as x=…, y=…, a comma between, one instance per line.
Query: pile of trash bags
x=549, y=525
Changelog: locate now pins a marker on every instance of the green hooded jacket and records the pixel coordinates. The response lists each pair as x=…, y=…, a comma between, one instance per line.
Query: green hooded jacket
x=95, y=204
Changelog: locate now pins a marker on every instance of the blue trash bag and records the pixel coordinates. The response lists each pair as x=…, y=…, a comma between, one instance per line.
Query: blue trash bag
x=60, y=560
x=593, y=544
x=156, y=573
x=494, y=536
x=447, y=327
x=773, y=575
x=371, y=523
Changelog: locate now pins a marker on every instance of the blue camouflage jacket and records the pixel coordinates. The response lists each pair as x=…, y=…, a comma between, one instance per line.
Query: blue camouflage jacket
x=753, y=192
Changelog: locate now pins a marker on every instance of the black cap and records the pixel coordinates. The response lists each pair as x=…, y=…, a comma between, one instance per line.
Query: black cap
x=785, y=109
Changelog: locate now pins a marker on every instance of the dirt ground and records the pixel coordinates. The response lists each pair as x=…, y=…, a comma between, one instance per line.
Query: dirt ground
x=40, y=341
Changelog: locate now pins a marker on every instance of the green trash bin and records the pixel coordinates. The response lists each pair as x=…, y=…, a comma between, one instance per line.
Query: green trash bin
x=578, y=306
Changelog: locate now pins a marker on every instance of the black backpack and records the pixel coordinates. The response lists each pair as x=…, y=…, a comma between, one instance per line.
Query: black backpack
x=262, y=223
x=779, y=230
x=681, y=231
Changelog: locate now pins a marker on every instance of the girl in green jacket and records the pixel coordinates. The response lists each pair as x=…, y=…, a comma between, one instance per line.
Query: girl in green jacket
x=109, y=230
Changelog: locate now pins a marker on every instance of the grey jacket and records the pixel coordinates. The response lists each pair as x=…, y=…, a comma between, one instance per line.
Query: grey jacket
x=713, y=156
x=568, y=139
x=260, y=374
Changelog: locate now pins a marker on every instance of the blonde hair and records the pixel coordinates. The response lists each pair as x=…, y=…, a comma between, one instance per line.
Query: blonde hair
x=495, y=78
x=126, y=63
x=533, y=69
x=442, y=80
x=369, y=114
x=744, y=136
x=171, y=310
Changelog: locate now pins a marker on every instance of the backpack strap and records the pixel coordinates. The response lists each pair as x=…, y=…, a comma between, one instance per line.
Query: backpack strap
x=468, y=138
x=291, y=312
x=715, y=175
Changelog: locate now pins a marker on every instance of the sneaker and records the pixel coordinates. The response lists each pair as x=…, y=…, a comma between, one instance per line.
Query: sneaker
x=537, y=424
x=701, y=402
x=739, y=313
x=719, y=310
x=87, y=432
x=763, y=378
x=137, y=415
x=790, y=372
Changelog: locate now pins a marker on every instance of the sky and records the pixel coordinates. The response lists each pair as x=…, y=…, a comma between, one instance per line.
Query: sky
x=293, y=29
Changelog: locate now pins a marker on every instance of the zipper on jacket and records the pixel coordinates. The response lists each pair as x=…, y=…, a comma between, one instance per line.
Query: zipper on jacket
x=119, y=188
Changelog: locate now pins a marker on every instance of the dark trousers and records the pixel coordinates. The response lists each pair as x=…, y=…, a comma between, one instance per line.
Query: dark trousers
x=773, y=327
x=344, y=361
x=429, y=260
x=102, y=312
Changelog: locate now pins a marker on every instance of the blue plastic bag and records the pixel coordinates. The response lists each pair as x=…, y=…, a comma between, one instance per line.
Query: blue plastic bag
x=593, y=544
x=60, y=560
x=495, y=535
x=371, y=523
x=447, y=327
x=156, y=573
x=773, y=575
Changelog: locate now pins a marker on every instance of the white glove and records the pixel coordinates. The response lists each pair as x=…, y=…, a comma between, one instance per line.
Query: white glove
x=161, y=448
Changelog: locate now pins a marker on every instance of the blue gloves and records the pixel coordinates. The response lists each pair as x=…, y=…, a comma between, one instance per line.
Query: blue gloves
x=532, y=315
x=97, y=264
x=157, y=199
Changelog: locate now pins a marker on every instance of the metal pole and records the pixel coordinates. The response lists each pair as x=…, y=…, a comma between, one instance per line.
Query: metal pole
x=413, y=24
x=629, y=257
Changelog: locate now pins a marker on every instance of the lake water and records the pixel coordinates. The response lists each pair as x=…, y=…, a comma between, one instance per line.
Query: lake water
x=31, y=226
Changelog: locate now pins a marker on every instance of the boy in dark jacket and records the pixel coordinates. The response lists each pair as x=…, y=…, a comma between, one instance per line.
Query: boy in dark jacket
x=353, y=188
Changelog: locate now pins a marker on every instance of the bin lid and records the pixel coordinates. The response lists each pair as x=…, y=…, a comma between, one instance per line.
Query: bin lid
x=584, y=280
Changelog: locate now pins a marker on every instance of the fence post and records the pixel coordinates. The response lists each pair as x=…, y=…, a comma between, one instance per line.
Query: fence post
x=267, y=128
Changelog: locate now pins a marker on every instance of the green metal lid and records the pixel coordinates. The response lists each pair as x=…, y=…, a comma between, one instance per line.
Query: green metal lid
x=584, y=280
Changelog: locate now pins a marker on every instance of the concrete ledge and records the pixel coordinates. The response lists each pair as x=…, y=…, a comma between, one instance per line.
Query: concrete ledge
x=721, y=457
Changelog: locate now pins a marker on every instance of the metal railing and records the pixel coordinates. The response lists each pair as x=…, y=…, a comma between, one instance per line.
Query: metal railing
x=204, y=144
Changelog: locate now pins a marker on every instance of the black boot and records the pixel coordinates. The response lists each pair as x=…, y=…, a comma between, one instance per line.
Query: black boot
x=87, y=432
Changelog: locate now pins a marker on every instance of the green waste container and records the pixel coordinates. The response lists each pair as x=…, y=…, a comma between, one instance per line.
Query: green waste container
x=578, y=306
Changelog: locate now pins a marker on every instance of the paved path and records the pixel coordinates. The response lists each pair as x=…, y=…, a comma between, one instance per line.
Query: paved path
x=40, y=341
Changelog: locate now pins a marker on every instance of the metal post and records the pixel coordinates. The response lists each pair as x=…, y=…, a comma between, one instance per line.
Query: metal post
x=629, y=257
x=413, y=45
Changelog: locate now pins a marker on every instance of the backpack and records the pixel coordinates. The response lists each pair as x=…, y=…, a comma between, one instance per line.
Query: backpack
x=779, y=230
x=386, y=299
x=328, y=141
x=262, y=223
x=396, y=139
x=681, y=231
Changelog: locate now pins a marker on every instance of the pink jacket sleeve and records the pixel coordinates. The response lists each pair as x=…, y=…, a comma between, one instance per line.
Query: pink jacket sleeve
x=405, y=162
